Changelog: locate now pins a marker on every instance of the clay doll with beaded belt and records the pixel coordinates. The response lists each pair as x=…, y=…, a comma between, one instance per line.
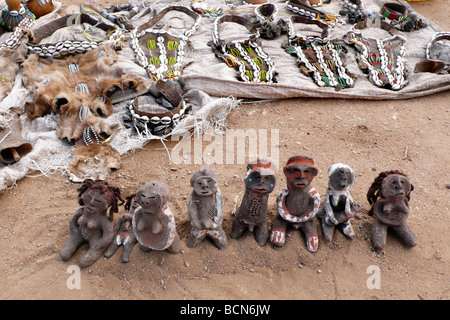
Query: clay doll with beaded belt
x=297, y=203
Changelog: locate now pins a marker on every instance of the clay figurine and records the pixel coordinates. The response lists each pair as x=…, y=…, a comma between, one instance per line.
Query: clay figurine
x=92, y=224
x=260, y=181
x=205, y=209
x=389, y=196
x=339, y=206
x=154, y=222
x=297, y=203
x=123, y=231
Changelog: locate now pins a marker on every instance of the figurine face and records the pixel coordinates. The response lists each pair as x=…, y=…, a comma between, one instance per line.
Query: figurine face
x=395, y=186
x=95, y=202
x=341, y=178
x=149, y=200
x=205, y=186
x=260, y=183
x=299, y=175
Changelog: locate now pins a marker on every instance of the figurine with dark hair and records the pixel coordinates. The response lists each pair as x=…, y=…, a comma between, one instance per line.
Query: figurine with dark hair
x=92, y=223
x=389, y=196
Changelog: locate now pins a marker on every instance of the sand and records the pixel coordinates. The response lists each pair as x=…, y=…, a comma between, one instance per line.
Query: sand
x=370, y=136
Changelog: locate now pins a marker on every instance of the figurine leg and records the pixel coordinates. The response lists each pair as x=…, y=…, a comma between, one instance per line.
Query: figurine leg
x=347, y=230
x=127, y=248
x=261, y=234
x=73, y=242
x=93, y=254
x=195, y=238
x=175, y=247
x=237, y=229
x=379, y=233
x=278, y=234
x=310, y=230
x=327, y=230
x=406, y=234
x=221, y=239
x=111, y=249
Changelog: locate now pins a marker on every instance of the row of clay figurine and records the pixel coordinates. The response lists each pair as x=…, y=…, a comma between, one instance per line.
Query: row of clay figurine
x=149, y=221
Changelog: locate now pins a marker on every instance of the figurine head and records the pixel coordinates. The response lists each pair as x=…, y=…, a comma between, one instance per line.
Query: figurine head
x=389, y=184
x=340, y=177
x=261, y=176
x=396, y=185
x=152, y=196
x=98, y=196
x=299, y=172
x=204, y=182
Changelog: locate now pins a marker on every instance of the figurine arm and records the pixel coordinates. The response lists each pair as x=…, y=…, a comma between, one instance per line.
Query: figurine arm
x=329, y=212
x=74, y=221
x=107, y=233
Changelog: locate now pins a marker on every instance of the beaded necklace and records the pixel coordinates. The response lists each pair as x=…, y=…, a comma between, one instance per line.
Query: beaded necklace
x=69, y=47
x=165, y=51
x=382, y=59
x=247, y=56
x=309, y=12
x=10, y=19
x=318, y=56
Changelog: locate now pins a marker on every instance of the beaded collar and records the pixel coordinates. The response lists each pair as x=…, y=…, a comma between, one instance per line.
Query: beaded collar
x=400, y=16
x=318, y=56
x=246, y=56
x=16, y=36
x=11, y=18
x=159, y=51
x=382, y=59
x=309, y=12
x=159, y=124
x=286, y=215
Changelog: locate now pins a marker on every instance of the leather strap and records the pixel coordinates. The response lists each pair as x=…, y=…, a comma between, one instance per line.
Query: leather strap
x=381, y=24
x=163, y=12
x=236, y=19
x=49, y=28
x=325, y=27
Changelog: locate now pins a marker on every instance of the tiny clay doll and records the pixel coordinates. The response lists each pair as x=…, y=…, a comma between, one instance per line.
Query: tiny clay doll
x=154, y=222
x=260, y=181
x=91, y=223
x=339, y=206
x=206, y=209
x=123, y=231
x=389, y=196
x=297, y=203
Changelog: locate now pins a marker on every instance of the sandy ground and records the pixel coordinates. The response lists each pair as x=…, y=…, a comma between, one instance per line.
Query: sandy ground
x=370, y=136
